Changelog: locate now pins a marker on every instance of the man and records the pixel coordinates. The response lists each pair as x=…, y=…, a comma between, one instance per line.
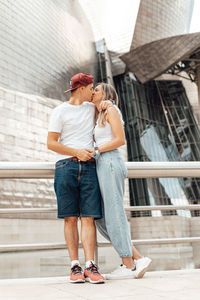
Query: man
x=70, y=135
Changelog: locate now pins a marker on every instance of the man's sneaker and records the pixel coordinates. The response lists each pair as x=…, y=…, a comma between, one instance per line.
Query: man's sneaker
x=122, y=272
x=92, y=274
x=77, y=274
x=142, y=265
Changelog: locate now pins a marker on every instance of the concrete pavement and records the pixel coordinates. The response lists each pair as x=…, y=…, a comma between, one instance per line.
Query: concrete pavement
x=170, y=285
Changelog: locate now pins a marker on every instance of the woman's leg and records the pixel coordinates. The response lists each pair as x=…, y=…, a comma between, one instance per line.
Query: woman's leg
x=101, y=226
x=111, y=180
x=135, y=253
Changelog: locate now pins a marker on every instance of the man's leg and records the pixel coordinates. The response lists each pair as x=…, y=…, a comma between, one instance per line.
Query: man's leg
x=72, y=240
x=71, y=236
x=90, y=208
x=88, y=237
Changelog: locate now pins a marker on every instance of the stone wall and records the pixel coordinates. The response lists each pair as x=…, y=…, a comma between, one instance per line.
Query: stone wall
x=195, y=225
x=57, y=262
x=23, y=133
x=168, y=256
x=43, y=263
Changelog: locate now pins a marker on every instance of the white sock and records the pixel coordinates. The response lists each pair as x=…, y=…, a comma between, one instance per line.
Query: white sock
x=75, y=262
x=88, y=263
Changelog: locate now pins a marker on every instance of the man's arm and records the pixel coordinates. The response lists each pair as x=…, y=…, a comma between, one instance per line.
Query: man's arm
x=54, y=145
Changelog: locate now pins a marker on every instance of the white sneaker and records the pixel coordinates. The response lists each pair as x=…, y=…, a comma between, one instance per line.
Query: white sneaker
x=142, y=265
x=122, y=272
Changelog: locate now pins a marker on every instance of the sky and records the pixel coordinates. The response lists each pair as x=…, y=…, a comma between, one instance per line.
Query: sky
x=115, y=20
x=195, y=22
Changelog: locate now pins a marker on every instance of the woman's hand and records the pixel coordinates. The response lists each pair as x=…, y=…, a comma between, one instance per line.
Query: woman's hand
x=105, y=104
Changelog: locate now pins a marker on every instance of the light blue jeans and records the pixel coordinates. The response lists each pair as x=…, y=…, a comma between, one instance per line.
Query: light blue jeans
x=111, y=172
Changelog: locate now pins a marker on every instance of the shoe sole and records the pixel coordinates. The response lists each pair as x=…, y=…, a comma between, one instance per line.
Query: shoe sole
x=91, y=281
x=120, y=278
x=77, y=281
x=143, y=271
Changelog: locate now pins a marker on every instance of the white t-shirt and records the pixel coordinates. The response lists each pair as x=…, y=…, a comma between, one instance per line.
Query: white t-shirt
x=104, y=134
x=75, y=123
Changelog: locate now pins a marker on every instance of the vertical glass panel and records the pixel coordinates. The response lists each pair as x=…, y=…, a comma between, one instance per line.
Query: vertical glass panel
x=159, y=127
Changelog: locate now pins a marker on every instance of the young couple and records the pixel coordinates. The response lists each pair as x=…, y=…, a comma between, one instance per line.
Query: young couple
x=89, y=181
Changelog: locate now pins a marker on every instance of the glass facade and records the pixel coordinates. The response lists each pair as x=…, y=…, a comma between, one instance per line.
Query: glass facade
x=101, y=72
x=159, y=126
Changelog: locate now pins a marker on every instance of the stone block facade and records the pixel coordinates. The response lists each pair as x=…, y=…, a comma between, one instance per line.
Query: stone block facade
x=56, y=262
x=167, y=256
x=23, y=134
x=195, y=225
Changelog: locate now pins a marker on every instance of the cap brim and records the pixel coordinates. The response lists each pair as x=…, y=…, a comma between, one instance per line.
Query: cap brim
x=69, y=90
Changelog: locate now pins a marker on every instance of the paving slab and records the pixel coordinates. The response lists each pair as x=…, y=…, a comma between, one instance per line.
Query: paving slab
x=170, y=285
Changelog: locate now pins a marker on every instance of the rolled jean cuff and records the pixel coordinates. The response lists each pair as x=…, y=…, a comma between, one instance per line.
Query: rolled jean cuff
x=125, y=255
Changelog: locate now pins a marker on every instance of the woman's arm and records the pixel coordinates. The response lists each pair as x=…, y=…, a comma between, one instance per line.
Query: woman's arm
x=115, y=122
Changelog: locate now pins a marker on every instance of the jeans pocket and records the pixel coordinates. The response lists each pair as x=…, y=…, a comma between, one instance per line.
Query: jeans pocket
x=124, y=168
x=61, y=163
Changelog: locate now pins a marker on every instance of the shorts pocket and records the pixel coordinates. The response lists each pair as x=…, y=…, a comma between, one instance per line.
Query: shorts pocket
x=61, y=164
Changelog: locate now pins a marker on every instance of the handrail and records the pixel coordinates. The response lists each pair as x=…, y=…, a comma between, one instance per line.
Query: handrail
x=127, y=208
x=135, y=169
x=53, y=246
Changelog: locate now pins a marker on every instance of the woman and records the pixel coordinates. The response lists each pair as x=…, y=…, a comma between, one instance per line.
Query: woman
x=111, y=171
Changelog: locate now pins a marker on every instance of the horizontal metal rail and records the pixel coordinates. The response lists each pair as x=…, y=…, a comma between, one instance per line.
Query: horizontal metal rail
x=135, y=169
x=53, y=246
x=163, y=207
x=127, y=208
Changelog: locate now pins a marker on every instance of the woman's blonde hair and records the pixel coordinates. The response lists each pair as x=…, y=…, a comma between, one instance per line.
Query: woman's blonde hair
x=109, y=93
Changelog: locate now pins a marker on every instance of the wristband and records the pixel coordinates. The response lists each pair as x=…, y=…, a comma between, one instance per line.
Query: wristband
x=96, y=150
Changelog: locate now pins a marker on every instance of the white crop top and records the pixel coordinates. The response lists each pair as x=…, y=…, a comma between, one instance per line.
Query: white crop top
x=104, y=134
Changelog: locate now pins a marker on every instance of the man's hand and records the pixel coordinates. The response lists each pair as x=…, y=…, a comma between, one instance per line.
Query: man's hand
x=84, y=154
x=105, y=104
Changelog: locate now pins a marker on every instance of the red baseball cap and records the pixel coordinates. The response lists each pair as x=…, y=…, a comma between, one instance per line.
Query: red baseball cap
x=80, y=79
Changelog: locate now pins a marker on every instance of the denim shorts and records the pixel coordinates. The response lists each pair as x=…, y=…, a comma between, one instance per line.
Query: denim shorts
x=77, y=189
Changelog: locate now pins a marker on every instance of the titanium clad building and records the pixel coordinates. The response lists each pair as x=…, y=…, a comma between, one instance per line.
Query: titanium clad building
x=160, y=19
x=43, y=44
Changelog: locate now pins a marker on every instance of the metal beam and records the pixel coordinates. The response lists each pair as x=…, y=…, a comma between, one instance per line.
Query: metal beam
x=162, y=207
x=127, y=208
x=53, y=246
x=135, y=169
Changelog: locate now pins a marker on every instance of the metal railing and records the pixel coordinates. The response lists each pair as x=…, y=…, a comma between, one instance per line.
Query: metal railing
x=135, y=170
